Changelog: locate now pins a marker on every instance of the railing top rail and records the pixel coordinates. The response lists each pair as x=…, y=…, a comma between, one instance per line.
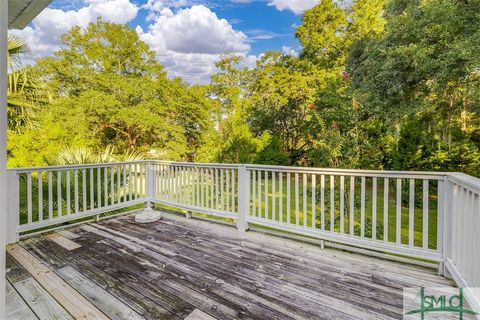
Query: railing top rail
x=465, y=180
x=75, y=166
x=354, y=172
x=459, y=177
x=199, y=164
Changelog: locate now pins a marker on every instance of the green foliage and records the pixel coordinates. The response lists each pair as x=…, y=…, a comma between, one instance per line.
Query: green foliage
x=109, y=90
x=379, y=84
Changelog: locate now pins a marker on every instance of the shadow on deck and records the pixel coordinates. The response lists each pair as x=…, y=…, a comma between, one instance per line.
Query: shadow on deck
x=177, y=268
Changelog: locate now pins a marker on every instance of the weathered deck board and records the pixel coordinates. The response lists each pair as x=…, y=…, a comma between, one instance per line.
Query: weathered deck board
x=175, y=267
x=35, y=297
x=77, y=305
x=16, y=308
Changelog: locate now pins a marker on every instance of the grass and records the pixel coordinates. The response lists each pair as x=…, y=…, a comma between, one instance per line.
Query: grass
x=302, y=213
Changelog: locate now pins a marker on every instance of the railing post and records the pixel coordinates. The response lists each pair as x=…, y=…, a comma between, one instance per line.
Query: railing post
x=149, y=184
x=243, y=198
x=447, y=224
x=149, y=215
x=13, y=211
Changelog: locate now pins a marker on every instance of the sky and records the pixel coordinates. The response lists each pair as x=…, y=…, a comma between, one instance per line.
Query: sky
x=188, y=36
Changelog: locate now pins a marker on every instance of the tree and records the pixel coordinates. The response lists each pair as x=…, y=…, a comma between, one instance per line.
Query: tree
x=24, y=94
x=109, y=89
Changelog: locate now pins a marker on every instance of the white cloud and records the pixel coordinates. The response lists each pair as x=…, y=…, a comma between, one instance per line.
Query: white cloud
x=44, y=37
x=297, y=6
x=289, y=51
x=190, y=41
x=187, y=40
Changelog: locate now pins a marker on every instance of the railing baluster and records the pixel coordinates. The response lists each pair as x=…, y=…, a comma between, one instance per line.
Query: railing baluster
x=259, y=177
x=254, y=189
x=204, y=191
x=314, y=204
x=92, y=193
x=425, y=214
x=385, y=209
x=130, y=184
x=29, y=198
x=440, y=214
x=67, y=182
x=305, y=195
x=322, y=201
x=374, y=208
x=411, y=213
x=234, y=183
x=105, y=186
x=212, y=187
x=342, y=204
x=59, y=193
x=362, y=208
x=398, y=231
x=207, y=188
x=222, y=190
x=124, y=186
x=217, y=192
x=112, y=185
x=297, y=202
x=99, y=187
x=266, y=195
x=75, y=190
x=280, y=194
x=351, y=217
x=274, y=197
x=50, y=196
x=143, y=171
x=332, y=203
x=289, y=178
x=40, y=197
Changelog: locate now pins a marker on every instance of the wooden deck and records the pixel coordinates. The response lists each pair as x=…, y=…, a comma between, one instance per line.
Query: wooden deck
x=192, y=269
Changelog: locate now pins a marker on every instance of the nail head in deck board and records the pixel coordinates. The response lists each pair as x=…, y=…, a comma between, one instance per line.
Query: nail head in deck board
x=62, y=241
x=198, y=314
x=16, y=308
x=103, y=300
x=71, y=300
x=42, y=304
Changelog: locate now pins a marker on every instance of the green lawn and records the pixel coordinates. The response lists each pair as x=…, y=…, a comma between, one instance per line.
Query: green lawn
x=305, y=218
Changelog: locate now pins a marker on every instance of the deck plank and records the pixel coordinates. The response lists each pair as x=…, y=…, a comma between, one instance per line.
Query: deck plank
x=16, y=308
x=176, y=267
x=42, y=304
x=151, y=304
x=103, y=300
x=62, y=241
x=261, y=285
x=71, y=300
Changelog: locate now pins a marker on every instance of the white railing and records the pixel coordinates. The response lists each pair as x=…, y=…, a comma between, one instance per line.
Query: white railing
x=47, y=196
x=427, y=215
x=395, y=212
x=462, y=243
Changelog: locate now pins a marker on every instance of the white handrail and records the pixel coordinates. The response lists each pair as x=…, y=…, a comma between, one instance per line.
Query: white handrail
x=426, y=215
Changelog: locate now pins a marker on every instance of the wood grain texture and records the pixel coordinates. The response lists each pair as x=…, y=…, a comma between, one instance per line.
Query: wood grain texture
x=71, y=300
x=16, y=308
x=175, y=268
x=62, y=241
x=198, y=314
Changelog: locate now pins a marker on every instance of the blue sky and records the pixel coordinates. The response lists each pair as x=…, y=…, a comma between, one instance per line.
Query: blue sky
x=187, y=35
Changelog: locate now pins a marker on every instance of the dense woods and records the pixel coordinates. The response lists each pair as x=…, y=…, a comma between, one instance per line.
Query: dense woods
x=377, y=85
